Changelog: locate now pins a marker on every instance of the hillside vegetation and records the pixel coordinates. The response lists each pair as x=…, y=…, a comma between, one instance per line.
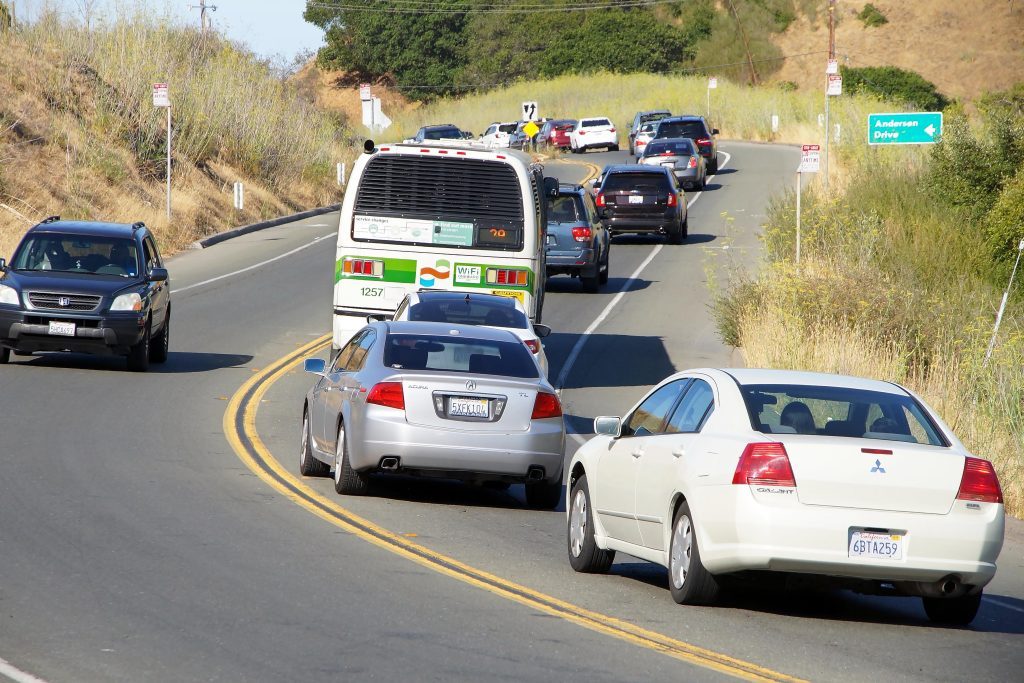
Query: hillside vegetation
x=79, y=136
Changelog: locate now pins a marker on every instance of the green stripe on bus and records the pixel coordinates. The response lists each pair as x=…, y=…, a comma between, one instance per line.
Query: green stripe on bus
x=395, y=270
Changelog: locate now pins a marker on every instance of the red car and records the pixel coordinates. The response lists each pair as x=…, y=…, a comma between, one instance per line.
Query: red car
x=555, y=133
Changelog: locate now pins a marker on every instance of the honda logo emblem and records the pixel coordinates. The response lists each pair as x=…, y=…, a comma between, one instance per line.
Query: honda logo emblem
x=471, y=385
x=64, y=301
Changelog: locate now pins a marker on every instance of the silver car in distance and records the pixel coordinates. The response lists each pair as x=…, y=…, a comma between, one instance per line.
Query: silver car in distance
x=434, y=399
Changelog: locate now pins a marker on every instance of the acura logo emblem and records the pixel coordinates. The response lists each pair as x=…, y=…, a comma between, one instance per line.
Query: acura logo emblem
x=471, y=385
x=64, y=301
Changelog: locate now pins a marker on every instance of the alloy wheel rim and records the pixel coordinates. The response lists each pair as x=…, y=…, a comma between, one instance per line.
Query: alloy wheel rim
x=578, y=523
x=682, y=551
x=339, y=450
x=304, y=445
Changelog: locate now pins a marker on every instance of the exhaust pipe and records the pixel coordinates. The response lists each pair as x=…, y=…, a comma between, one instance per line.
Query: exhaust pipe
x=949, y=586
x=390, y=463
x=535, y=473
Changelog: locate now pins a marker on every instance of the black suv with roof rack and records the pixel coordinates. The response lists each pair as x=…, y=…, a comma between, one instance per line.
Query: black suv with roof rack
x=86, y=287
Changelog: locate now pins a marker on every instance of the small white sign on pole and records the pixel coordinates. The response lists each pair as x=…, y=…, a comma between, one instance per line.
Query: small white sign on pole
x=364, y=92
x=835, y=85
x=530, y=111
x=821, y=120
x=712, y=82
x=341, y=173
x=833, y=66
x=239, y=196
x=810, y=159
x=161, y=97
x=775, y=123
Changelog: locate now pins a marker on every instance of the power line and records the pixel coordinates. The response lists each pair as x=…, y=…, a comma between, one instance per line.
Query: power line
x=427, y=7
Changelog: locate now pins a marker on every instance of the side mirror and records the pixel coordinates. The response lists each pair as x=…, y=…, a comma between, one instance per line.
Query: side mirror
x=316, y=366
x=595, y=182
x=376, y=317
x=550, y=186
x=541, y=330
x=608, y=426
x=158, y=275
x=602, y=213
x=714, y=131
x=3, y=265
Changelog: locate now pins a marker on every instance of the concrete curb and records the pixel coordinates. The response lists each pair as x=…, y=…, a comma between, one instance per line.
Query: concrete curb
x=262, y=225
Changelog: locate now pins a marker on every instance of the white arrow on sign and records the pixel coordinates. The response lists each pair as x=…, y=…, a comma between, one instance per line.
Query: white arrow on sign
x=930, y=130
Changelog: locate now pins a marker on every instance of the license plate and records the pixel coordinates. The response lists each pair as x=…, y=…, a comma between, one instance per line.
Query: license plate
x=668, y=164
x=62, y=329
x=636, y=199
x=468, y=407
x=877, y=546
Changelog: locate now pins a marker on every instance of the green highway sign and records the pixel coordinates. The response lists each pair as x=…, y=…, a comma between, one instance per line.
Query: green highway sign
x=917, y=128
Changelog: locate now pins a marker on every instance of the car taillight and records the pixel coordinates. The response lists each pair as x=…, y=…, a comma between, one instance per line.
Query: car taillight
x=506, y=276
x=693, y=163
x=611, y=130
x=599, y=200
x=666, y=154
x=546, y=405
x=979, y=482
x=533, y=345
x=640, y=143
x=387, y=394
x=764, y=464
x=364, y=267
x=582, y=233
x=703, y=141
x=583, y=132
x=671, y=200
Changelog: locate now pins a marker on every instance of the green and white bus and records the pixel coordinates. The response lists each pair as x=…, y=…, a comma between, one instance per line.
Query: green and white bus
x=441, y=215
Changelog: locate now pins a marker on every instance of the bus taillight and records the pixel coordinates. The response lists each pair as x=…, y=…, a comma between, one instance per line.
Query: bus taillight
x=503, y=276
x=364, y=267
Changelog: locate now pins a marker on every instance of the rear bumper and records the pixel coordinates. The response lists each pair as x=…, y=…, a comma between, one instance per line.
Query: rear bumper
x=567, y=261
x=461, y=453
x=660, y=224
x=791, y=537
x=29, y=333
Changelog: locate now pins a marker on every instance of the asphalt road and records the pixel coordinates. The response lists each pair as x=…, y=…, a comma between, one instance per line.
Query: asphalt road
x=136, y=545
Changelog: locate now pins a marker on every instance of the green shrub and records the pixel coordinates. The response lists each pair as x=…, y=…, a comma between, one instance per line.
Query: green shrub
x=893, y=83
x=872, y=16
x=1004, y=225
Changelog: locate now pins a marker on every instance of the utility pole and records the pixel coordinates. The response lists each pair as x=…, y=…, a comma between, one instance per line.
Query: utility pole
x=204, y=21
x=831, y=55
x=746, y=45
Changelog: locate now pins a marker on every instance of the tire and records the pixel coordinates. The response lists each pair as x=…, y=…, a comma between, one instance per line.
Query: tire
x=607, y=264
x=686, y=227
x=677, y=236
x=584, y=555
x=543, y=495
x=138, y=355
x=713, y=166
x=5, y=356
x=161, y=343
x=346, y=480
x=689, y=582
x=953, y=611
x=613, y=148
x=592, y=283
x=309, y=466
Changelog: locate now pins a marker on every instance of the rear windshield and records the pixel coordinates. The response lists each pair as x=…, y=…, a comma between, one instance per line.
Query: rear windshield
x=595, y=122
x=442, y=134
x=639, y=182
x=470, y=312
x=77, y=254
x=459, y=354
x=564, y=209
x=838, y=411
x=679, y=147
x=508, y=127
x=681, y=129
x=655, y=116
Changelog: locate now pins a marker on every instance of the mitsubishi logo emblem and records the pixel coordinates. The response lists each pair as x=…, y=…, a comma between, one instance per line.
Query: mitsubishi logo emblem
x=878, y=467
x=471, y=385
x=64, y=301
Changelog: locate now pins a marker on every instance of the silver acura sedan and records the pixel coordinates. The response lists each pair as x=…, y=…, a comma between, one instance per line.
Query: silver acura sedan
x=434, y=399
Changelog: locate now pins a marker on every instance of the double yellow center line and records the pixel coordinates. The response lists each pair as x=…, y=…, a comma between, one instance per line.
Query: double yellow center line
x=240, y=430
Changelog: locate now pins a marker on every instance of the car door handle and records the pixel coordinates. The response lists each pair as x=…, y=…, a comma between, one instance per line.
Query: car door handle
x=678, y=452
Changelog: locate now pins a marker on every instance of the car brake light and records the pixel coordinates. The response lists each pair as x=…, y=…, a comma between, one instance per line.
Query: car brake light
x=533, y=345
x=693, y=163
x=546, y=405
x=667, y=154
x=581, y=233
x=703, y=141
x=364, y=267
x=671, y=200
x=611, y=130
x=506, y=276
x=979, y=482
x=764, y=464
x=387, y=394
x=640, y=143
x=583, y=132
x=600, y=199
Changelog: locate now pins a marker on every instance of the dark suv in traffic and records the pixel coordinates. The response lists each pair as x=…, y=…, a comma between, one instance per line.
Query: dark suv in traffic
x=697, y=129
x=642, y=199
x=576, y=242
x=87, y=287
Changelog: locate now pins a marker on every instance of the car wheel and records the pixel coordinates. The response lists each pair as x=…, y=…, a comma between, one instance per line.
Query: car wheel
x=677, y=236
x=309, y=466
x=713, y=166
x=543, y=495
x=160, y=346
x=5, y=356
x=584, y=555
x=688, y=580
x=138, y=355
x=592, y=283
x=613, y=148
x=607, y=264
x=346, y=480
x=953, y=611
x=703, y=183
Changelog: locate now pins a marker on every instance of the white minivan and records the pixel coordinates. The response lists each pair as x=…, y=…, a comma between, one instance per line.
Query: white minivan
x=439, y=215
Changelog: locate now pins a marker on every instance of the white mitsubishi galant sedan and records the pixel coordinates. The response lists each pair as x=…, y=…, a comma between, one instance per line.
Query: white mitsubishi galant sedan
x=854, y=482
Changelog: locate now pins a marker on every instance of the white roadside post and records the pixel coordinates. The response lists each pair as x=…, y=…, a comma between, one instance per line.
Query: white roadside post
x=161, y=98
x=834, y=89
x=239, y=196
x=712, y=85
x=341, y=173
x=810, y=162
x=1002, y=306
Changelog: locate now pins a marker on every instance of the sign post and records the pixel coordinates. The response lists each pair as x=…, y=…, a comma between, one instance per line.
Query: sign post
x=915, y=128
x=833, y=89
x=810, y=162
x=712, y=85
x=161, y=98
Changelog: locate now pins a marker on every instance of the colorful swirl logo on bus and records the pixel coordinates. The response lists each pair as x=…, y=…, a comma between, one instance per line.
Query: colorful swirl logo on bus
x=429, y=276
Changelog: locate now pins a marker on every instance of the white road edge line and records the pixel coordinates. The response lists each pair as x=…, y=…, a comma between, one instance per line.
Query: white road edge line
x=252, y=267
x=1000, y=603
x=578, y=347
x=17, y=675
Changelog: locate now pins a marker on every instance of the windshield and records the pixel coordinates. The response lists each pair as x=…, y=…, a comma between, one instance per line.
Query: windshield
x=508, y=127
x=563, y=209
x=470, y=312
x=459, y=354
x=679, y=148
x=838, y=411
x=589, y=123
x=644, y=183
x=77, y=254
x=681, y=129
x=654, y=116
x=441, y=133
